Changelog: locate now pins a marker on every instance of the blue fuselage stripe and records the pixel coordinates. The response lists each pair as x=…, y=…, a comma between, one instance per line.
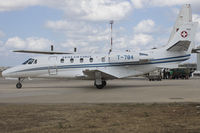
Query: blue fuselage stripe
x=171, y=57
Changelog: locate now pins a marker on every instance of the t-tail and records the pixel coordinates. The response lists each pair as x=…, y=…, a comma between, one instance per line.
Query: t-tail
x=182, y=36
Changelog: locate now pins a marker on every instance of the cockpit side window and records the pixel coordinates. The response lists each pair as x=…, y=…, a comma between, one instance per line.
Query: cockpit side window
x=30, y=61
x=35, y=61
x=26, y=61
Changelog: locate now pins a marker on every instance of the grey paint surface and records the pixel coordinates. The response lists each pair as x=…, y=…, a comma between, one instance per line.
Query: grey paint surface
x=117, y=91
x=198, y=62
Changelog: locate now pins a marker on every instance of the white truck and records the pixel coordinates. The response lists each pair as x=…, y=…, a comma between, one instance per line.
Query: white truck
x=155, y=75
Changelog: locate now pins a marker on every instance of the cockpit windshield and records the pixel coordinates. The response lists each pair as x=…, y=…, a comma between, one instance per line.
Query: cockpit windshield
x=30, y=61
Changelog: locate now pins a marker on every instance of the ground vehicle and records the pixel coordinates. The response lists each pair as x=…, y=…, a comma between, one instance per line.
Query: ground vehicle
x=155, y=75
x=180, y=73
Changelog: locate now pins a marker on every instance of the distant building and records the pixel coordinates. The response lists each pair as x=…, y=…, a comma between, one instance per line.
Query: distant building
x=184, y=71
x=197, y=72
x=191, y=66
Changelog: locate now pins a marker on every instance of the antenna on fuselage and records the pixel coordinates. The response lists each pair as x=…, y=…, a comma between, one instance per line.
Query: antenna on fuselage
x=111, y=39
x=51, y=47
x=75, y=49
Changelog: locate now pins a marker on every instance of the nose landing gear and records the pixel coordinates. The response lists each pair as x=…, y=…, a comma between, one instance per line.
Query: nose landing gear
x=19, y=84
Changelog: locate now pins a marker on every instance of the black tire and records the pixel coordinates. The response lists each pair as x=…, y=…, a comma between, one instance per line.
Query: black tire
x=18, y=85
x=104, y=83
x=99, y=86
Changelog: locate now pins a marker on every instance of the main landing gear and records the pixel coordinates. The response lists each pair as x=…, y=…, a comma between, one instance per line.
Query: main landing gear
x=19, y=84
x=101, y=85
x=99, y=81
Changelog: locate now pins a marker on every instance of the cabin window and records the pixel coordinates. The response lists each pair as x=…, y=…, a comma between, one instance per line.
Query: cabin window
x=103, y=59
x=91, y=60
x=62, y=60
x=81, y=60
x=72, y=60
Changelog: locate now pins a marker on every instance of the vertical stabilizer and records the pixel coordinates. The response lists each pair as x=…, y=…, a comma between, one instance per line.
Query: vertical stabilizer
x=183, y=33
x=185, y=15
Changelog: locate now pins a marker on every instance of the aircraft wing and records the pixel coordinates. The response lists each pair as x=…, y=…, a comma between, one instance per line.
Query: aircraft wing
x=91, y=74
x=40, y=52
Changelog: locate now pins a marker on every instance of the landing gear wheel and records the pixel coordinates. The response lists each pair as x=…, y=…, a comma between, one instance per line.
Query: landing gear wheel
x=103, y=84
x=18, y=85
x=99, y=86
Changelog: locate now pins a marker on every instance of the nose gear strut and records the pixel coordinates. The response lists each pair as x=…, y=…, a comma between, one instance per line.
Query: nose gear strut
x=19, y=84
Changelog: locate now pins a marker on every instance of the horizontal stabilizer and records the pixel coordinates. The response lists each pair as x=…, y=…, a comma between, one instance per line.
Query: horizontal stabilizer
x=180, y=46
x=40, y=52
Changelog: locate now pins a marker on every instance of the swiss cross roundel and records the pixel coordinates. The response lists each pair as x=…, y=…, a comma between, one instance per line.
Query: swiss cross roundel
x=184, y=34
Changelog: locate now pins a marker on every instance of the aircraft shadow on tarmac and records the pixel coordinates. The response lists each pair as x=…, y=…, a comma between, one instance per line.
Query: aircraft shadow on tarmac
x=113, y=86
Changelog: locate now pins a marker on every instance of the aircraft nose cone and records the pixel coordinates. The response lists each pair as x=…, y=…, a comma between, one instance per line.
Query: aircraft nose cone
x=5, y=73
x=10, y=73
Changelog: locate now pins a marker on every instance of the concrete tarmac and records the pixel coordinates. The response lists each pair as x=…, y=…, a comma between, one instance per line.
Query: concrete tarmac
x=116, y=91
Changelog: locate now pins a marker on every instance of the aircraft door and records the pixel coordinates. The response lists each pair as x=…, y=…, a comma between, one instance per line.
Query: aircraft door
x=52, y=65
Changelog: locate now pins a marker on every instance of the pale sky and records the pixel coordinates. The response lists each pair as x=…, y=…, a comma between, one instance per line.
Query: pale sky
x=37, y=24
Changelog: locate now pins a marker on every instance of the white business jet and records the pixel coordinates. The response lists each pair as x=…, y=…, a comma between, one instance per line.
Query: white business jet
x=114, y=65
